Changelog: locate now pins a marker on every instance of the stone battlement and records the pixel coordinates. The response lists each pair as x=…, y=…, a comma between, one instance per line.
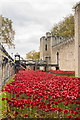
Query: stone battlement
x=58, y=41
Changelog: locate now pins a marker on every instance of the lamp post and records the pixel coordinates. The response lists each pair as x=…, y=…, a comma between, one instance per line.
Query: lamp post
x=17, y=62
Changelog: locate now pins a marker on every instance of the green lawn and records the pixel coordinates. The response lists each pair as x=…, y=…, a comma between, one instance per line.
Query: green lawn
x=0, y=104
x=64, y=75
x=3, y=104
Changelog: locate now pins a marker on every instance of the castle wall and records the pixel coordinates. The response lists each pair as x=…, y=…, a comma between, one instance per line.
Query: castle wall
x=59, y=51
x=66, y=55
x=64, y=52
x=77, y=40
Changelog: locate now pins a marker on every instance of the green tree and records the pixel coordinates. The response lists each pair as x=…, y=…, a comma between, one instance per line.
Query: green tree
x=36, y=55
x=33, y=55
x=64, y=28
x=6, y=31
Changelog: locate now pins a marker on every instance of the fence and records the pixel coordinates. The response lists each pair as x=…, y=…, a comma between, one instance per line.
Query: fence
x=7, y=67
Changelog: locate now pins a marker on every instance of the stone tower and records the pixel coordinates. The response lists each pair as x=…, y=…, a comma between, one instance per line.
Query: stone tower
x=77, y=39
x=42, y=42
x=45, y=47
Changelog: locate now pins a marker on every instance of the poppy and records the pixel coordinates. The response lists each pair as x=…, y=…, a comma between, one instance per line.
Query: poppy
x=16, y=113
x=3, y=99
x=26, y=115
x=69, y=116
x=66, y=111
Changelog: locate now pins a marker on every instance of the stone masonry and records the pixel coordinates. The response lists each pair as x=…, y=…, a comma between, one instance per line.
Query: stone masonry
x=61, y=51
x=77, y=39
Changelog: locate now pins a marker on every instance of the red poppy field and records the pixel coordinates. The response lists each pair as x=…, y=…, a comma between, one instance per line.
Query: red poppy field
x=35, y=94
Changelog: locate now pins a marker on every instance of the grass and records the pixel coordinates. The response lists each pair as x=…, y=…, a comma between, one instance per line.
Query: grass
x=64, y=75
x=0, y=104
x=3, y=104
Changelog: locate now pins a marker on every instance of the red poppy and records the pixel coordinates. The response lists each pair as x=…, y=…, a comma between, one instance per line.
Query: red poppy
x=55, y=109
x=2, y=90
x=3, y=99
x=17, y=95
x=26, y=115
x=72, y=102
x=69, y=116
x=66, y=111
x=77, y=102
x=66, y=103
x=45, y=97
x=77, y=118
x=78, y=108
x=51, y=109
x=76, y=112
x=72, y=111
x=16, y=113
x=59, y=109
x=46, y=110
x=40, y=107
x=56, y=102
x=48, y=105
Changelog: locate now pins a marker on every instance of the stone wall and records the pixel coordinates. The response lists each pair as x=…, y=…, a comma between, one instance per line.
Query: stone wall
x=77, y=39
x=59, y=51
x=66, y=55
x=0, y=66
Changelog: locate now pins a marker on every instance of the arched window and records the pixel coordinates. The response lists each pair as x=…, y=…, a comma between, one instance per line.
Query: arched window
x=46, y=47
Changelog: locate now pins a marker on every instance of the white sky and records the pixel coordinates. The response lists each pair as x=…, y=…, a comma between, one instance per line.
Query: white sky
x=32, y=19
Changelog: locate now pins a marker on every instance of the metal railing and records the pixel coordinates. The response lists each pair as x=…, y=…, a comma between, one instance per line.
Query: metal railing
x=7, y=70
x=7, y=66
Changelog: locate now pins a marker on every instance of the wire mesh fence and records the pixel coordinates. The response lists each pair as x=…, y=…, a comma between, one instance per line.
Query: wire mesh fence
x=7, y=70
x=7, y=67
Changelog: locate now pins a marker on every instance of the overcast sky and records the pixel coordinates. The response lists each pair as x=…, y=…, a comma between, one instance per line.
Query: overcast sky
x=32, y=19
